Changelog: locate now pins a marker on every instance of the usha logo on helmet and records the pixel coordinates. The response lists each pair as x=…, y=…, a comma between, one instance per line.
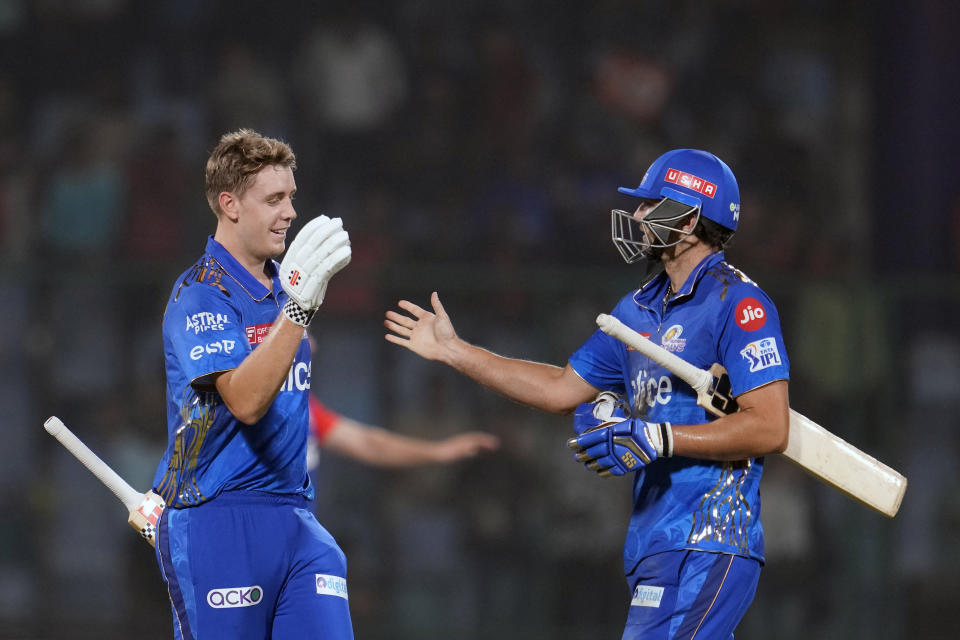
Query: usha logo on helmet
x=691, y=182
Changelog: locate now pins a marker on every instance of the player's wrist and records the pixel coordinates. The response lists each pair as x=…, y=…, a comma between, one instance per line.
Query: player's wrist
x=298, y=314
x=660, y=436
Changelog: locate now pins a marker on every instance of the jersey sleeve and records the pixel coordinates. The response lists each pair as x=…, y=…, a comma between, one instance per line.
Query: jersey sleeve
x=204, y=333
x=322, y=420
x=601, y=360
x=751, y=346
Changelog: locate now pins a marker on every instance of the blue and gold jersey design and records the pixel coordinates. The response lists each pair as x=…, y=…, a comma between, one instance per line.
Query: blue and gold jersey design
x=216, y=315
x=719, y=315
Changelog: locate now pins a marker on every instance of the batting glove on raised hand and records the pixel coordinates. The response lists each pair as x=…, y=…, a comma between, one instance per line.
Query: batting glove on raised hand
x=617, y=448
x=321, y=249
x=606, y=407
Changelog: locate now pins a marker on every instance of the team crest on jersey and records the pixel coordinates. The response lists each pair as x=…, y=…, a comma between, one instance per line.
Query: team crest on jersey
x=671, y=339
x=761, y=354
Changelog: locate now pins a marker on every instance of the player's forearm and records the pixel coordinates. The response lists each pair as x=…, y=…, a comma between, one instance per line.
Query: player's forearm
x=251, y=388
x=738, y=436
x=536, y=384
x=378, y=447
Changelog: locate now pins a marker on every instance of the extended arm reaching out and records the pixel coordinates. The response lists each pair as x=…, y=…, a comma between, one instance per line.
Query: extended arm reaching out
x=431, y=336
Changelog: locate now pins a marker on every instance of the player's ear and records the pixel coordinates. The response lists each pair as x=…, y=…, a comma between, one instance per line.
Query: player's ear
x=229, y=205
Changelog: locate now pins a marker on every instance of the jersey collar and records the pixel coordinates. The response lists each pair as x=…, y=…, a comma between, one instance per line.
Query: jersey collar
x=238, y=272
x=653, y=291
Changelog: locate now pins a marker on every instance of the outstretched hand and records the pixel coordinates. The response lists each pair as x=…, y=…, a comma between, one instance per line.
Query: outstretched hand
x=466, y=445
x=428, y=334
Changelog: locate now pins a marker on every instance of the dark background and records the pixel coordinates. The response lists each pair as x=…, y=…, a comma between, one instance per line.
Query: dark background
x=475, y=148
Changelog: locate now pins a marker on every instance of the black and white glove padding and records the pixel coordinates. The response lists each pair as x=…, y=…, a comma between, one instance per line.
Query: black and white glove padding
x=320, y=250
x=613, y=444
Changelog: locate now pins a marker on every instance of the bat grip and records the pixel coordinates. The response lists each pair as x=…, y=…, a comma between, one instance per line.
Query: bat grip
x=129, y=496
x=697, y=378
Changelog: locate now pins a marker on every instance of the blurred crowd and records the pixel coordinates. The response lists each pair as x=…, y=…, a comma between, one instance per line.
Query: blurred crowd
x=474, y=148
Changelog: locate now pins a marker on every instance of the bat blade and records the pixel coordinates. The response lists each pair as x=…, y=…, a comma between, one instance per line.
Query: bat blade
x=826, y=456
x=144, y=508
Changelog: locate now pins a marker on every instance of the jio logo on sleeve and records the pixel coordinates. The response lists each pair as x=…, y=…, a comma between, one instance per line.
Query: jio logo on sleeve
x=750, y=314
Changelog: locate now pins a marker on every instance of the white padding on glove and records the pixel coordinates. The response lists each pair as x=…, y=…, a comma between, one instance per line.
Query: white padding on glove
x=660, y=435
x=320, y=250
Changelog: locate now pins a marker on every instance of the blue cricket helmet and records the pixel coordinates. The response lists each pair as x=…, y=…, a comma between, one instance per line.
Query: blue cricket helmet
x=697, y=179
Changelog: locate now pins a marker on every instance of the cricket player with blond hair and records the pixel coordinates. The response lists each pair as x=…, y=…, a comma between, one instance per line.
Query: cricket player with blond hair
x=242, y=554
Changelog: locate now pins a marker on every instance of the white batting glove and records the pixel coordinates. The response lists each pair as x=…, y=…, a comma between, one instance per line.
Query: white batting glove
x=320, y=250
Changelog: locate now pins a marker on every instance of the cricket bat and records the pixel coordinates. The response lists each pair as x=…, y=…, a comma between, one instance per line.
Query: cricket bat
x=144, y=508
x=819, y=452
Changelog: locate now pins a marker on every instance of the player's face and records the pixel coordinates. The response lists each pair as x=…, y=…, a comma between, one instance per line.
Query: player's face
x=266, y=212
x=645, y=206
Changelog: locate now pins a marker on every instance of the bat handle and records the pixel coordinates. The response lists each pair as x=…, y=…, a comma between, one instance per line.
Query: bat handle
x=129, y=496
x=697, y=378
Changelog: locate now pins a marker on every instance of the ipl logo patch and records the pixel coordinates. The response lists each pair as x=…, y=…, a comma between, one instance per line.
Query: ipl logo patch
x=761, y=354
x=328, y=585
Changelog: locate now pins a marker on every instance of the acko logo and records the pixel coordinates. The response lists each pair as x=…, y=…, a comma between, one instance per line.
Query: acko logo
x=234, y=597
x=328, y=585
x=750, y=314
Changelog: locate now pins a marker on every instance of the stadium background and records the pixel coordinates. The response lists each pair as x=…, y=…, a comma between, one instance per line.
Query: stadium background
x=474, y=147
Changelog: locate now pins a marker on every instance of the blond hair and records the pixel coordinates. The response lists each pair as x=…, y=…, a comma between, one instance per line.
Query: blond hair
x=237, y=158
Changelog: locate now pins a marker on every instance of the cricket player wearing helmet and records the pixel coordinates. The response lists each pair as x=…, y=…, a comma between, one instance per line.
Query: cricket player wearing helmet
x=694, y=546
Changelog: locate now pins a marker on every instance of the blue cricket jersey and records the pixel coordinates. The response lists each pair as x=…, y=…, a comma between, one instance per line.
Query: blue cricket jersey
x=216, y=315
x=719, y=315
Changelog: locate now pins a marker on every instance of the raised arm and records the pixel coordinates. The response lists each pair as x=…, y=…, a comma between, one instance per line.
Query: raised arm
x=430, y=334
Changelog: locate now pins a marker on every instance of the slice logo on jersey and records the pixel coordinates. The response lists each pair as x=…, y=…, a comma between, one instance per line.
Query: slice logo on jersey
x=235, y=597
x=206, y=321
x=256, y=333
x=671, y=339
x=646, y=596
x=649, y=391
x=750, y=314
x=219, y=346
x=645, y=335
x=691, y=182
x=761, y=354
x=328, y=585
x=298, y=377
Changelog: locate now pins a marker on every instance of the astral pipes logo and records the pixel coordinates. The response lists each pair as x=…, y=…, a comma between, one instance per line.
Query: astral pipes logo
x=233, y=597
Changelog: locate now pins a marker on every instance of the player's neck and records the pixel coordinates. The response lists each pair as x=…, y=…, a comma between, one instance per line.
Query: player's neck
x=255, y=266
x=682, y=259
